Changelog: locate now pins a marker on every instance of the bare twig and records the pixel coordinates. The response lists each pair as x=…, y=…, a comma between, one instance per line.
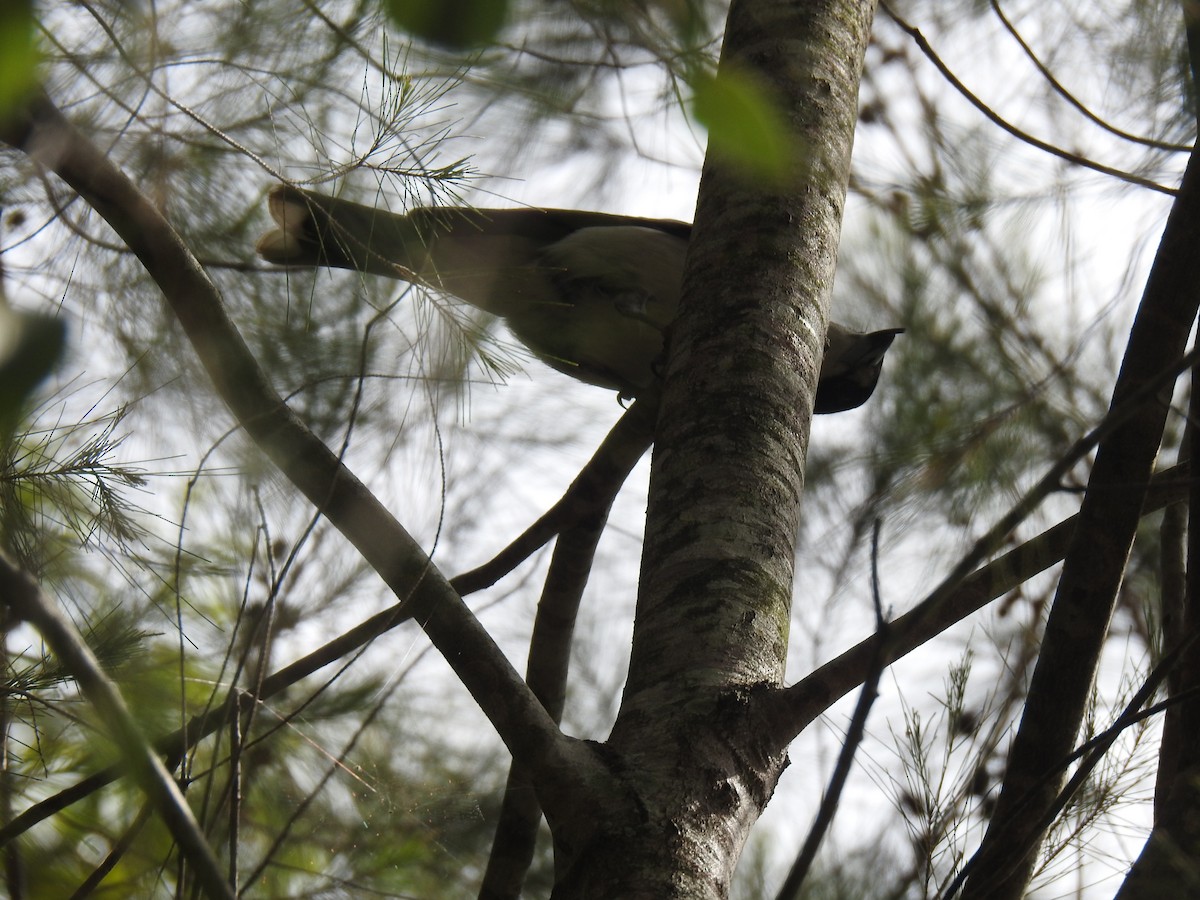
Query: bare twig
x=42, y=132
x=1091, y=752
x=592, y=490
x=798, y=705
x=546, y=673
x=949, y=590
x=578, y=517
x=624, y=445
x=25, y=600
x=995, y=118
x=115, y=854
x=1095, y=563
x=1061, y=90
x=854, y=735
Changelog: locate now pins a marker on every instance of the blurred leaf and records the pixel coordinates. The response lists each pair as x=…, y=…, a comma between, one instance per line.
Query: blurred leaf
x=18, y=52
x=31, y=345
x=745, y=126
x=453, y=24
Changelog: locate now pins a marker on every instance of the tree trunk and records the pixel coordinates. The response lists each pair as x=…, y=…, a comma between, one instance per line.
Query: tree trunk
x=726, y=480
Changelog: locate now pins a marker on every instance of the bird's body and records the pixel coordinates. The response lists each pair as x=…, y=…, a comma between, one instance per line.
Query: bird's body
x=589, y=293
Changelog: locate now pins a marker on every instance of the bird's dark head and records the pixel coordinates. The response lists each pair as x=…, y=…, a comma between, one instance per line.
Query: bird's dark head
x=851, y=369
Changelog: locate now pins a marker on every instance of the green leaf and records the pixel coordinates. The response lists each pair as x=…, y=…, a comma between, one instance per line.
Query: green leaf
x=745, y=125
x=31, y=344
x=18, y=52
x=453, y=24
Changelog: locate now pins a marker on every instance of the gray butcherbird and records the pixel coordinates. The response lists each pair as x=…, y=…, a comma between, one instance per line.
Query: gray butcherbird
x=589, y=293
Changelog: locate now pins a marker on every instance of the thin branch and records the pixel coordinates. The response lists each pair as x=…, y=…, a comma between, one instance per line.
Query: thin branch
x=234, y=818
x=951, y=600
x=854, y=736
x=949, y=592
x=1091, y=752
x=26, y=601
x=167, y=98
x=1062, y=91
x=1095, y=564
x=617, y=454
x=1172, y=539
x=174, y=745
x=117, y=852
x=592, y=490
x=1174, y=547
x=797, y=706
x=336, y=765
x=546, y=672
x=996, y=119
x=1166, y=865
x=522, y=723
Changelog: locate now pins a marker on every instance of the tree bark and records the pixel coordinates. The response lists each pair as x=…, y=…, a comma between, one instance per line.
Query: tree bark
x=726, y=480
x=1169, y=864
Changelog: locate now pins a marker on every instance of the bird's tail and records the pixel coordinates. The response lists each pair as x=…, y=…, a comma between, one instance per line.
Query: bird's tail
x=481, y=256
x=316, y=230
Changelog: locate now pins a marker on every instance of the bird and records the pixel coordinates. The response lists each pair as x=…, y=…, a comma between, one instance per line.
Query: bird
x=591, y=294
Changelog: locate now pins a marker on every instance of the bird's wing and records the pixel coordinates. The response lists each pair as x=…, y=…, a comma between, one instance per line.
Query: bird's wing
x=616, y=291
